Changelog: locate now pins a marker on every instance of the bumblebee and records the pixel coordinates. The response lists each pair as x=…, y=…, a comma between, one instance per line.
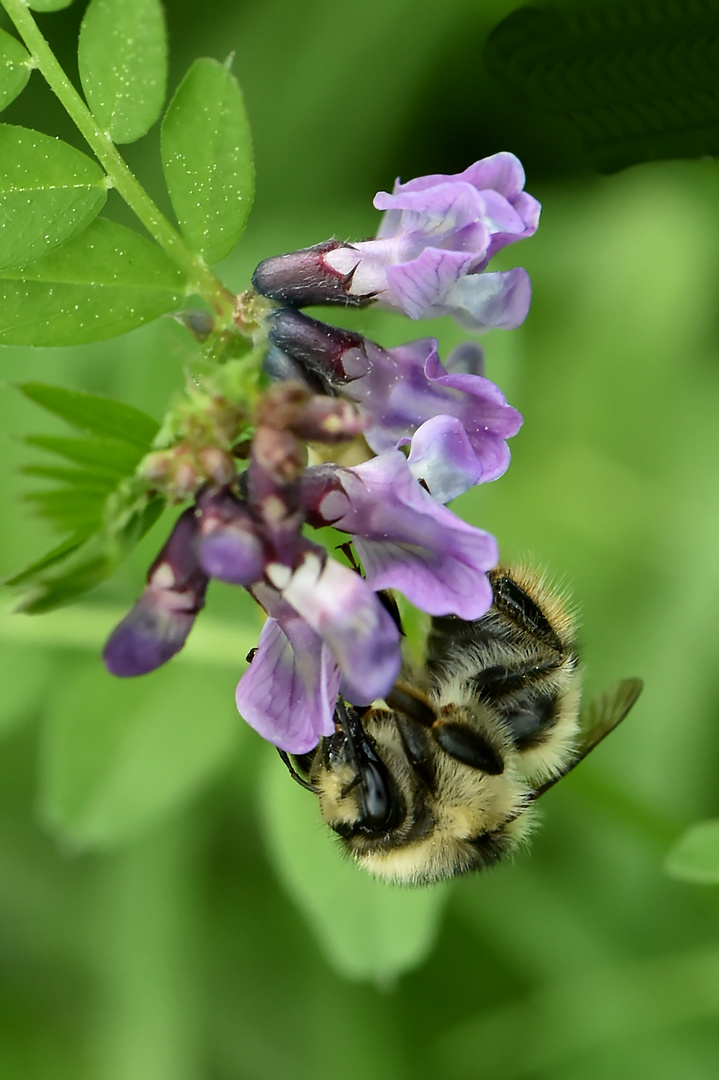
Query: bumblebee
x=443, y=777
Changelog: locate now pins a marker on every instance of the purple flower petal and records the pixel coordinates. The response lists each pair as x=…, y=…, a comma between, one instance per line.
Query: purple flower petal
x=343, y=610
x=150, y=634
x=289, y=691
x=157, y=626
x=404, y=387
x=442, y=458
x=437, y=232
x=407, y=540
x=497, y=300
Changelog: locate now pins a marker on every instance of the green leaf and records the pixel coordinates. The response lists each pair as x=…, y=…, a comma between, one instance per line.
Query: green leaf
x=14, y=68
x=25, y=673
x=51, y=558
x=109, y=457
x=87, y=559
x=122, y=56
x=89, y=412
x=695, y=856
x=366, y=928
x=49, y=192
x=103, y=283
x=48, y=5
x=207, y=158
x=70, y=509
x=118, y=755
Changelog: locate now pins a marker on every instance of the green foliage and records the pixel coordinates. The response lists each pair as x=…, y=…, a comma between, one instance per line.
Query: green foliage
x=49, y=192
x=365, y=929
x=122, y=56
x=105, y=282
x=207, y=159
x=96, y=502
x=14, y=68
x=117, y=755
x=695, y=856
x=110, y=419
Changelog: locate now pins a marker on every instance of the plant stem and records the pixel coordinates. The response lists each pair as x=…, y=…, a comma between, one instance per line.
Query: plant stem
x=200, y=277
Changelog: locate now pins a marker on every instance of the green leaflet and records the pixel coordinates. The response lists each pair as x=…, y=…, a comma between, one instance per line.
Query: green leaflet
x=14, y=68
x=109, y=457
x=118, y=754
x=365, y=928
x=102, y=416
x=49, y=192
x=207, y=158
x=695, y=856
x=91, y=555
x=122, y=56
x=103, y=283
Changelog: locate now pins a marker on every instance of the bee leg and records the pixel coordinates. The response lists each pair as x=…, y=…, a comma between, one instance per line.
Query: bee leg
x=294, y=774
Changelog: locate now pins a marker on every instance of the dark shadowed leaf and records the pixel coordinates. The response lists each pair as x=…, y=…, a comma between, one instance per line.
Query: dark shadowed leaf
x=122, y=56
x=49, y=192
x=14, y=68
x=103, y=283
x=207, y=158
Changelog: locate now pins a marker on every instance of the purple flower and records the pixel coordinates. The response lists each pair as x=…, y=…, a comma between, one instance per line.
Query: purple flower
x=398, y=390
x=433, y=244
x=405, y=538
x=327, y=631
x=157, y=626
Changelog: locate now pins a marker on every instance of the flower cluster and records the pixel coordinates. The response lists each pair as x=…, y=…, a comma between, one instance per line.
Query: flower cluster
x=435, y=430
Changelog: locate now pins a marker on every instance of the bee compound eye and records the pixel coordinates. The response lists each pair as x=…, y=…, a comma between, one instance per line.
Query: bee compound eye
x=469, y=747
x=381, y=808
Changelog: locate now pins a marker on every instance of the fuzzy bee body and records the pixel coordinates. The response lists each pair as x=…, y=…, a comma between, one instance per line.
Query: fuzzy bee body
x=445, y=777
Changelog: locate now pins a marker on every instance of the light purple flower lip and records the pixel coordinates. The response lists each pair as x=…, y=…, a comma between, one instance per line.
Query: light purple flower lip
x=326, y=625
x=405, y=538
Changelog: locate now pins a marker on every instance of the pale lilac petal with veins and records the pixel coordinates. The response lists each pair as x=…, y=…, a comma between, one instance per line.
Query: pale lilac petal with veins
x=341, y=607
x=289, y=691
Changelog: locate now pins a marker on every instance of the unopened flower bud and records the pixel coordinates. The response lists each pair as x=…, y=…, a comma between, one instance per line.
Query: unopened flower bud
x=230, y=548
x=305, y=277
x=218, y=464
x=157, y=626
x=317, y=347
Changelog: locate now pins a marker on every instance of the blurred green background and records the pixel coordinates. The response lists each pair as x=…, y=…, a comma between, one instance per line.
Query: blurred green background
x=171, y=907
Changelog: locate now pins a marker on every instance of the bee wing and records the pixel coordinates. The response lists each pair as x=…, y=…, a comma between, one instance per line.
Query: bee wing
x=603, y=713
